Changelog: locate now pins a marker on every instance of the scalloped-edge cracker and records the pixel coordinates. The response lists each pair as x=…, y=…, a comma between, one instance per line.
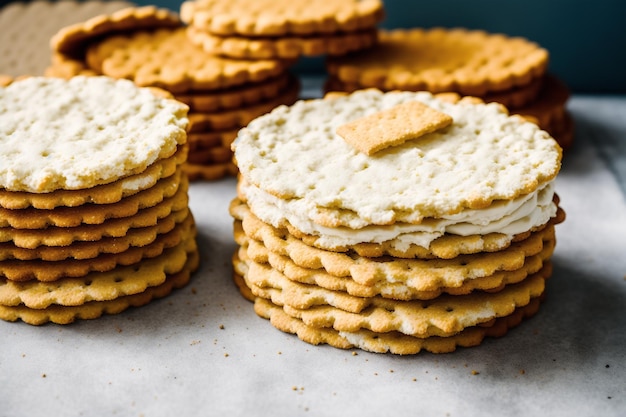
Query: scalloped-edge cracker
x=94, y=309
x=49, y=271
x=100, y=286
x=72, y=39
x=391, y=127
x=31, y=218
x=285, y=47
x=100, y=194
x=443, y=316
x=60, y=236
x=134, y=237
x=392, y=342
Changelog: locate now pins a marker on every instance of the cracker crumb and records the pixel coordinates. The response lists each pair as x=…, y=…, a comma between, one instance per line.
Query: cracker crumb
x=414, y=380
x=226, y=355
x=222, y=327
x=43, y=375
x=522, y=371
x=294, y=388
x=194, y=291
x=354, y=354
x=475, y=372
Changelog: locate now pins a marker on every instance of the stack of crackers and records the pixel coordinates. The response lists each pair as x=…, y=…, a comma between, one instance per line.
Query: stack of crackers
x=150, y=47
x=395, y=222
x=94, y=213
x=509, y=70
x=261, y=29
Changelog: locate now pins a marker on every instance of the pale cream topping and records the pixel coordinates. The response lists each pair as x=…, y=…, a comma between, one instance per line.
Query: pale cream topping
x=507, y=217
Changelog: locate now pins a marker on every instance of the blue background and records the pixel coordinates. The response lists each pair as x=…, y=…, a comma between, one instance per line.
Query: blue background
x=586, y=39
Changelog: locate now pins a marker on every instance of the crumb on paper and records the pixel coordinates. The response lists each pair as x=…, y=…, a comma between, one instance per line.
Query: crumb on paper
x=475, y=372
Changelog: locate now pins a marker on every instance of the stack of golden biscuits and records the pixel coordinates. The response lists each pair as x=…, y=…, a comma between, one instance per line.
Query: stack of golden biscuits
x=94, y=214
x=394, y=222
x=288, y=30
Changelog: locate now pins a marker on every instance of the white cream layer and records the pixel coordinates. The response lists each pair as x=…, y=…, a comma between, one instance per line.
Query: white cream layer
x=507, y=217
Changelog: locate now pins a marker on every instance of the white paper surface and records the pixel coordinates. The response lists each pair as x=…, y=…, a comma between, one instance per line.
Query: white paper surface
x=202, y=351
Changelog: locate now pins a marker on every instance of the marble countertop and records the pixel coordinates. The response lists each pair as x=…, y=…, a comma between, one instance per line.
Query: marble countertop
x=203, y=351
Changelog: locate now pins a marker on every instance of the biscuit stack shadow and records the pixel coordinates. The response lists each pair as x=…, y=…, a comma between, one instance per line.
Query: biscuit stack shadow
x=91, y=227
x=512, y=71
x=150, y=47
x=372, y=251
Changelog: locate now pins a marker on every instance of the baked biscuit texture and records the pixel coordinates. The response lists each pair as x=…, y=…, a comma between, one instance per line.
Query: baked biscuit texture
x=100, y=194
x=276, y=152
x=282, y=29
x=94, y=214
x=56, y=135
x=71, y=40
x=151, y=48
x=469, y=62
x=511, y=71
x=273, y=18
x=436, y=236
x=166, y=58
x=284, y=47
x=390, y=342
x=62, y=314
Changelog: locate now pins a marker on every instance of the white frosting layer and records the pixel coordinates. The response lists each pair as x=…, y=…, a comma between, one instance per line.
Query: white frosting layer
x=78, y=133
x=508, y=217
x=484, y=156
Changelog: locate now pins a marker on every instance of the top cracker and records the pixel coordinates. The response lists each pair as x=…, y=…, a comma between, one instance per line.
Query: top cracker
x=276, y=18
x=442, y=60
x=71, y=40
x=295, y=154
x=76, y=134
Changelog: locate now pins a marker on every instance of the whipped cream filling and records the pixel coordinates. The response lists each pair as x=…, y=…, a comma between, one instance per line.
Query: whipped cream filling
x=507, y=217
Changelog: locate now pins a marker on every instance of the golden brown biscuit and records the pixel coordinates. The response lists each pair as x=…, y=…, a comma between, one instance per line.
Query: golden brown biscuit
x=439, y=60
x=166, y=58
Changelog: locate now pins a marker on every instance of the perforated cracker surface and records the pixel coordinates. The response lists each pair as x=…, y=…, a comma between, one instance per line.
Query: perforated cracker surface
x=271, y=18
x=284, y=47
x=167, y=58
x=79, y=133
x=70, y=40
x=466, y=61
x=485, y=155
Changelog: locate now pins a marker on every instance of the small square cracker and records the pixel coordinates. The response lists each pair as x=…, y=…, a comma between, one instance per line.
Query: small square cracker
x=392, y=127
